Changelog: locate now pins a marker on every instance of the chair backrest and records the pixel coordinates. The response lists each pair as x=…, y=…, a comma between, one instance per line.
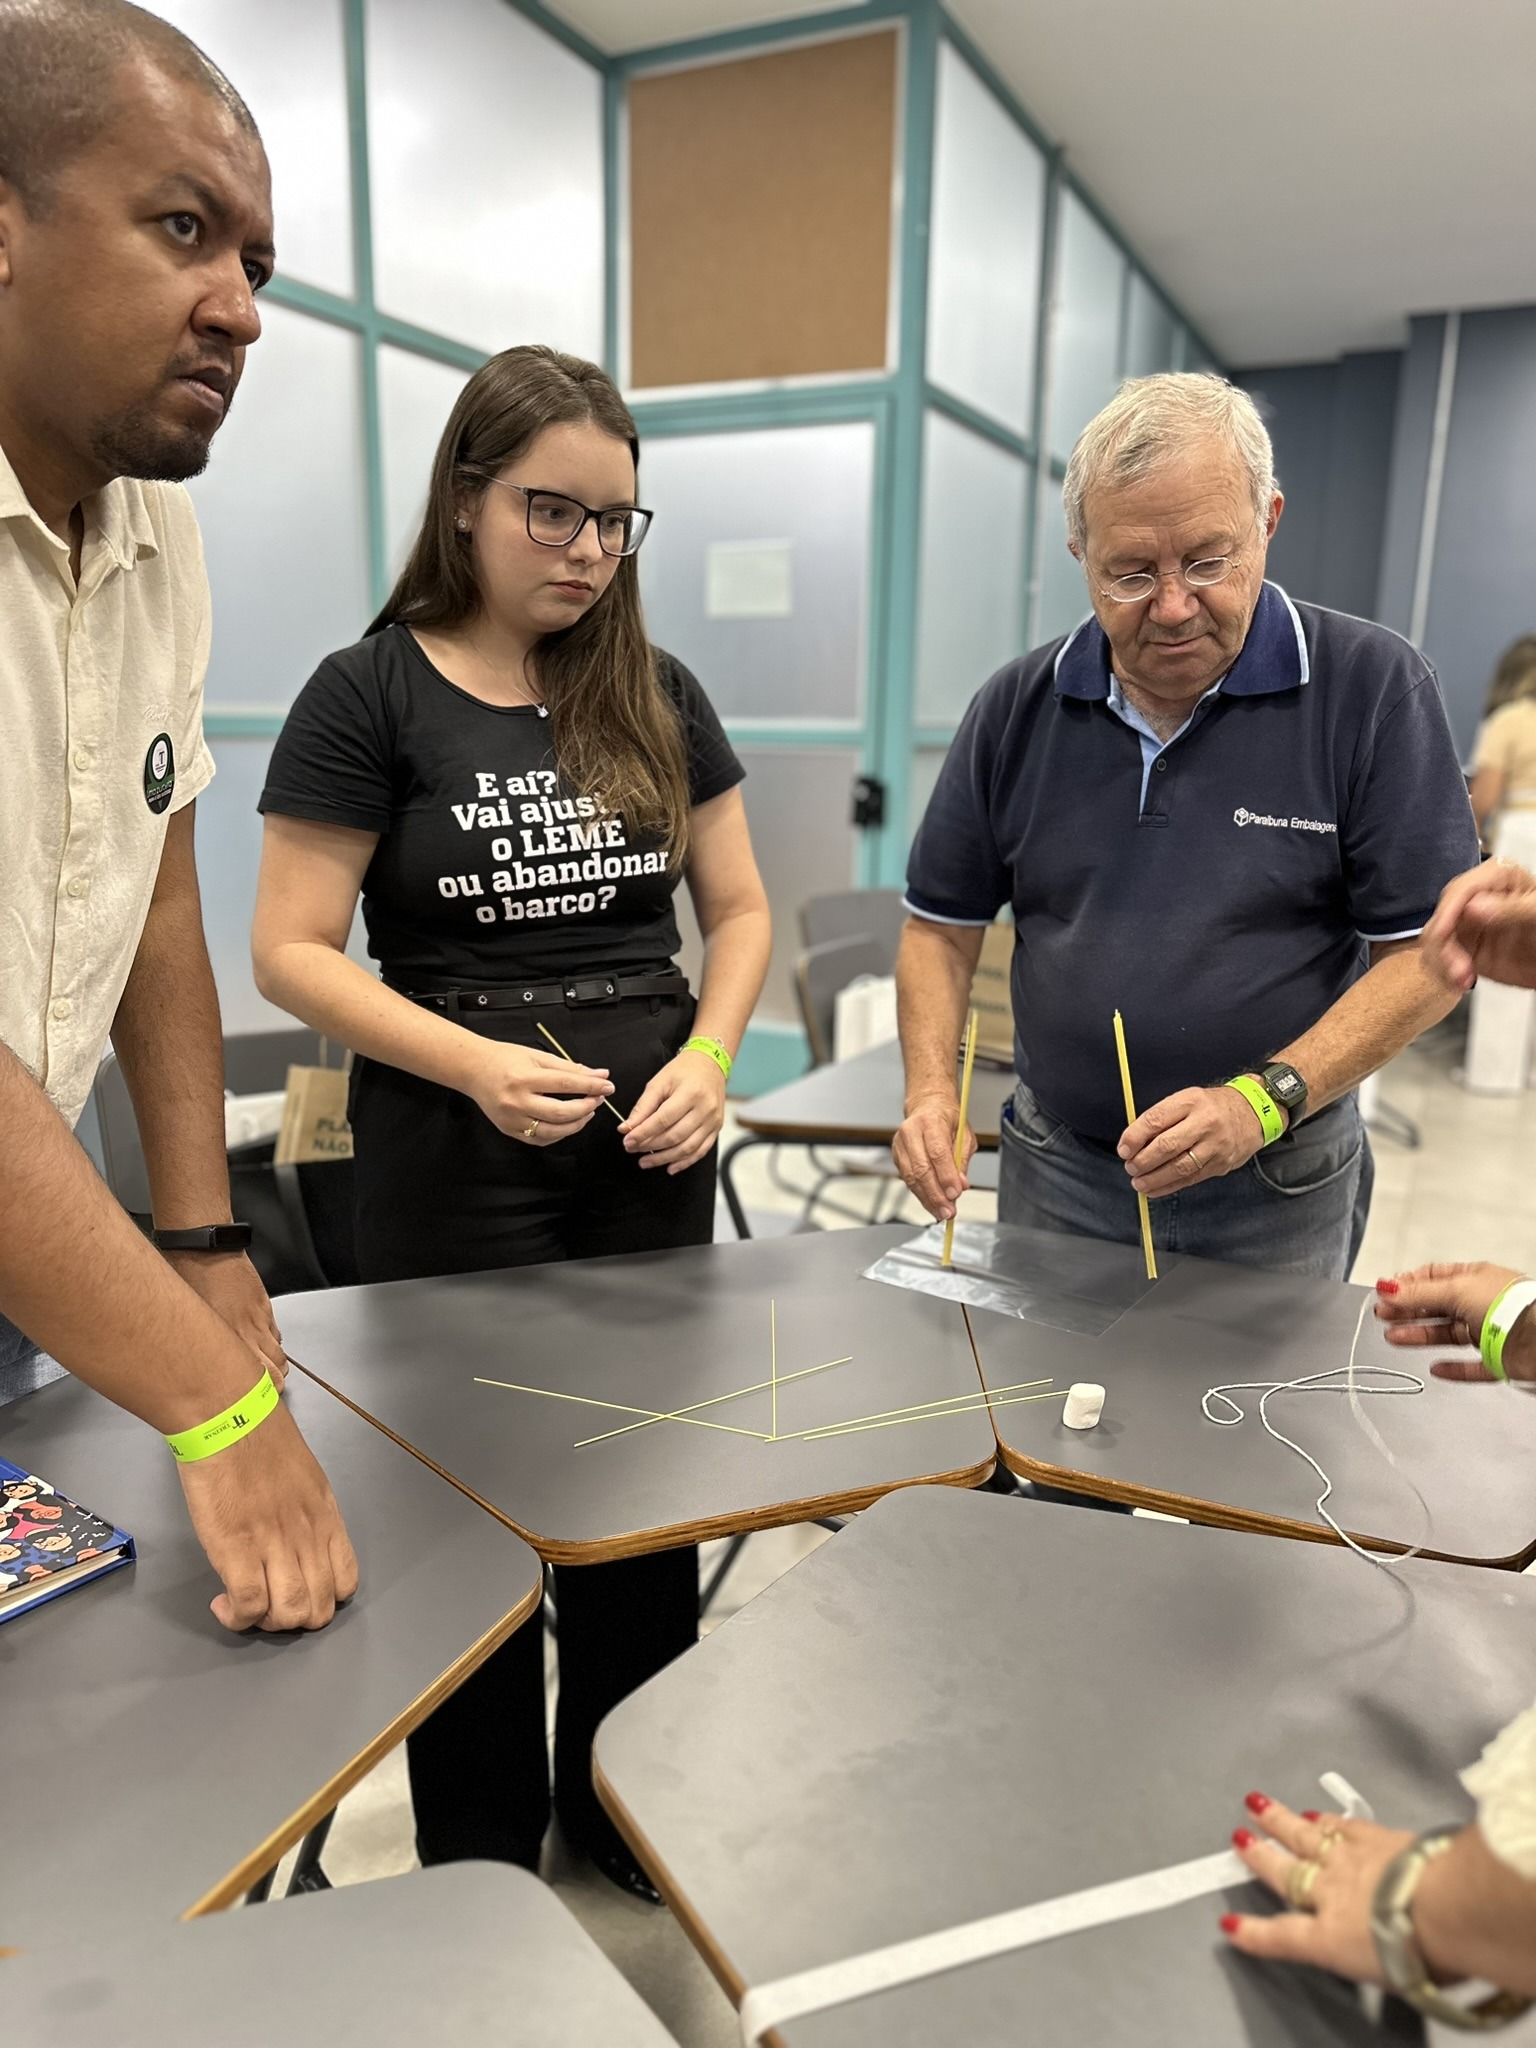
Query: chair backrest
x=856, y=914
x=254, y=1063
x=820, y=972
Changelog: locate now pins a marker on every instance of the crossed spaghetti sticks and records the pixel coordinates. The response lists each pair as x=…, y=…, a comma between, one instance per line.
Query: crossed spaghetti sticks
x=981, y=1401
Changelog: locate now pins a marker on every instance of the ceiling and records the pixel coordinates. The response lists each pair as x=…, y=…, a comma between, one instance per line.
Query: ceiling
x=1301, y=177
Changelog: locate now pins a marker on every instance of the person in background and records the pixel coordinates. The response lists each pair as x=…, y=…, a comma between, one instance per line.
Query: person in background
x=1499, y=1036
x=135, y=231
x=1504, y=757
x=1223, y=814
x=516, y=782
x=1468, y=1908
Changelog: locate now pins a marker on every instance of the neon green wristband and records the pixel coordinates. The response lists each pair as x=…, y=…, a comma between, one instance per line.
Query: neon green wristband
x=226, y=1429
x=714, y=1050
x=1262, y=1103
x=1503, y=1314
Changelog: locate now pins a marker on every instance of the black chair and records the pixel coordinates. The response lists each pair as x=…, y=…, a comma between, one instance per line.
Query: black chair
x=301, y=1216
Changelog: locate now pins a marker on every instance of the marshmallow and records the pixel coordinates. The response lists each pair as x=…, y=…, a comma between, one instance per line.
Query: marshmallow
x=1085, y=1404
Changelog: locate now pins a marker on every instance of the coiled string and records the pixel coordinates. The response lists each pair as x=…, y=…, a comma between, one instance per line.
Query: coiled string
x=1340, y=1379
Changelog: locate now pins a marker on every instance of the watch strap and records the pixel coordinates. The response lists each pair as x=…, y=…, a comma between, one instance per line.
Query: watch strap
x=1402, y=1960
x=205, y=1237
x=1262, y=1103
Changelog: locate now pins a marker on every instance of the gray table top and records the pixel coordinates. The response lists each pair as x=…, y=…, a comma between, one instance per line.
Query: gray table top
x=859, y=1102
x=964, y=1704
x=166, y=1763
x=475, y=1953
x=1470, y=1449
x=661, y=1331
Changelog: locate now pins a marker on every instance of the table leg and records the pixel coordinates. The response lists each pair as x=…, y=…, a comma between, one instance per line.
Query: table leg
x=728, y=1185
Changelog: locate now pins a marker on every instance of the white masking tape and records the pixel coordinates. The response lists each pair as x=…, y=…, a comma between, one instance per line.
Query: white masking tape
x=1085, y=1404
x=929, y=1955
x=791, y=1998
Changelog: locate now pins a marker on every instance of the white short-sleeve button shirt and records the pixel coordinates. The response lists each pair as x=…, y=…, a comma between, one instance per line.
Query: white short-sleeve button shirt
x=101, y=739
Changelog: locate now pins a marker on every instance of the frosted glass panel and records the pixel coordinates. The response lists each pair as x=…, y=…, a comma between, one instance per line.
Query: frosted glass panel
x=1149, y=330
x=1063, y=587
x=971, y=567
x=926, y=763
x=486, y=144
x=286, y=60
x=984, y=260
x=799, y=802
x=416, y=396
x=1086, y=338
x=228, y=861
x=756, y=573
x=281, y=506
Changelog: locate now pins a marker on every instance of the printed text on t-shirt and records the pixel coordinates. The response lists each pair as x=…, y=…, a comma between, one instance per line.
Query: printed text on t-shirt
x=530, y=821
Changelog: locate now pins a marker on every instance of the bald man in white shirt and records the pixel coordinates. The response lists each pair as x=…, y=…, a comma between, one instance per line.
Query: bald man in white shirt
x=135, y=231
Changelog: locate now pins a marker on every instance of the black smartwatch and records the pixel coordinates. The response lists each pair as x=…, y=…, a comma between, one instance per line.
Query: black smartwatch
x=207, y=1237
x=1286, y=1087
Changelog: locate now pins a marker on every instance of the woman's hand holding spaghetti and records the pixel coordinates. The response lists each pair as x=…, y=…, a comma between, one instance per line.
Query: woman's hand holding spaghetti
x=533, y=1096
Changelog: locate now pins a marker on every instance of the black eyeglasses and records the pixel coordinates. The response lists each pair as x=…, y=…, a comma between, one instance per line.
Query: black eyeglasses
x=555, y=520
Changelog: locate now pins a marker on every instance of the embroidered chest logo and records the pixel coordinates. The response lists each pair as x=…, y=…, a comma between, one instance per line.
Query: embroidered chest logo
x=159, y=772
x=1242, y=817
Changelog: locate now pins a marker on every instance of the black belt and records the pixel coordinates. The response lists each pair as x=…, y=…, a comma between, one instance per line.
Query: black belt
x=572, y=995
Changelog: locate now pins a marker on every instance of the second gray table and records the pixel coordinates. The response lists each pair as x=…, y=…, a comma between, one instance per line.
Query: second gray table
x=1470, y=1449
x=158, y=1763
x=964, y=1704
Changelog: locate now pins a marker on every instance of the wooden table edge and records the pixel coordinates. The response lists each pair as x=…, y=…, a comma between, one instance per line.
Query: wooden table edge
x=271, y=1852
x=673, y=1536
x=836, y=1133
x=1242, y=1521
x=730, y=1980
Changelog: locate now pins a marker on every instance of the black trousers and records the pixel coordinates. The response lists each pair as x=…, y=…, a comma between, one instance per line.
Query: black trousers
x=441, y=1190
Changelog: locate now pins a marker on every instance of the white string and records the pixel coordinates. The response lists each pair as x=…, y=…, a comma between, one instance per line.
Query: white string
x=1384, y=1379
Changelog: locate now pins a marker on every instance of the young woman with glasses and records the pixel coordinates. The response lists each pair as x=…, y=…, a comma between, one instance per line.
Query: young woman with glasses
x=515, y=781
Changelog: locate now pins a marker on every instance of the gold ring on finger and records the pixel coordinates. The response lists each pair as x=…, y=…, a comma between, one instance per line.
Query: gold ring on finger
x=532, y=1130
x=1194, y=1160
x=1301, y=1882
x=1325, y=1848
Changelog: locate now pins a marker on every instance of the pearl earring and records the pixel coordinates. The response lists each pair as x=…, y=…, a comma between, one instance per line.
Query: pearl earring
x=462, y=525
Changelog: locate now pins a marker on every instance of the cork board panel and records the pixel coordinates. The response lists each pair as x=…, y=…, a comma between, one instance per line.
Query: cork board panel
x=760, y=214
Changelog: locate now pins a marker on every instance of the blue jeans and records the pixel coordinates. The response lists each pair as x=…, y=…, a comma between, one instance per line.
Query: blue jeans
x=1299, y=1206
x=23, y=1368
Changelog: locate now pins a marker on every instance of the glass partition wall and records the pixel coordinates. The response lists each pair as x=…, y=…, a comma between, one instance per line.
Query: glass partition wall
x=863, y=367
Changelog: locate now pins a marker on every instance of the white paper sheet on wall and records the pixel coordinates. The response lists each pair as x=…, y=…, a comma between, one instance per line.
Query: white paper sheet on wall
x=749, y=579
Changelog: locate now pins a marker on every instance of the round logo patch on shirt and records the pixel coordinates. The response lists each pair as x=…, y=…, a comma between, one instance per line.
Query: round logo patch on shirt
x=159, y=772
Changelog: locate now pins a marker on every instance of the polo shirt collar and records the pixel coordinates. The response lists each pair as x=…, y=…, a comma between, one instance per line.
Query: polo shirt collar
x=118, y=512
x=1273, y=657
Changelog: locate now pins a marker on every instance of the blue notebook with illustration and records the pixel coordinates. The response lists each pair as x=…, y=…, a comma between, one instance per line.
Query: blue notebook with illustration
x=49, y=1543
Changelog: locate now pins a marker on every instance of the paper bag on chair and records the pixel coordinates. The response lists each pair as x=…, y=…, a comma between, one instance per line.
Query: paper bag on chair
x=314, y=1116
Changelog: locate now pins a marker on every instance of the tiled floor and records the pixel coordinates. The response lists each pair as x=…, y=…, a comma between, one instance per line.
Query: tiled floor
x=1464, y=1192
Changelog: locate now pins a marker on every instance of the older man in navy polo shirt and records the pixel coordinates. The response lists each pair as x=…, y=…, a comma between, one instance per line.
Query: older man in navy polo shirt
x=1227, y=816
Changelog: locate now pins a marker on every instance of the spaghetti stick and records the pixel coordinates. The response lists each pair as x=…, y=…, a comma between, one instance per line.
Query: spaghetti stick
x=623, y=1408
x=559, y=1048
x=965, y=1110
x=679, y=1414
x=1142, y=1207
x=919, y=1407
x=980, y=1407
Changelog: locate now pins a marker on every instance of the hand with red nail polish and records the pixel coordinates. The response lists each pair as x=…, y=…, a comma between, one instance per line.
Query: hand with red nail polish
x=1336, y=1934
x=1310, y=1813
x=1446, y=1305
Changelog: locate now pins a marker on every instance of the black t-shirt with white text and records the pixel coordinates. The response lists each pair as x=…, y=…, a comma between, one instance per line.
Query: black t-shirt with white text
x=488, y=870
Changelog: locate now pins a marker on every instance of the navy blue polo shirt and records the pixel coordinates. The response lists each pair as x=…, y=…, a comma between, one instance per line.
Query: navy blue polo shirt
x=1222, y=897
